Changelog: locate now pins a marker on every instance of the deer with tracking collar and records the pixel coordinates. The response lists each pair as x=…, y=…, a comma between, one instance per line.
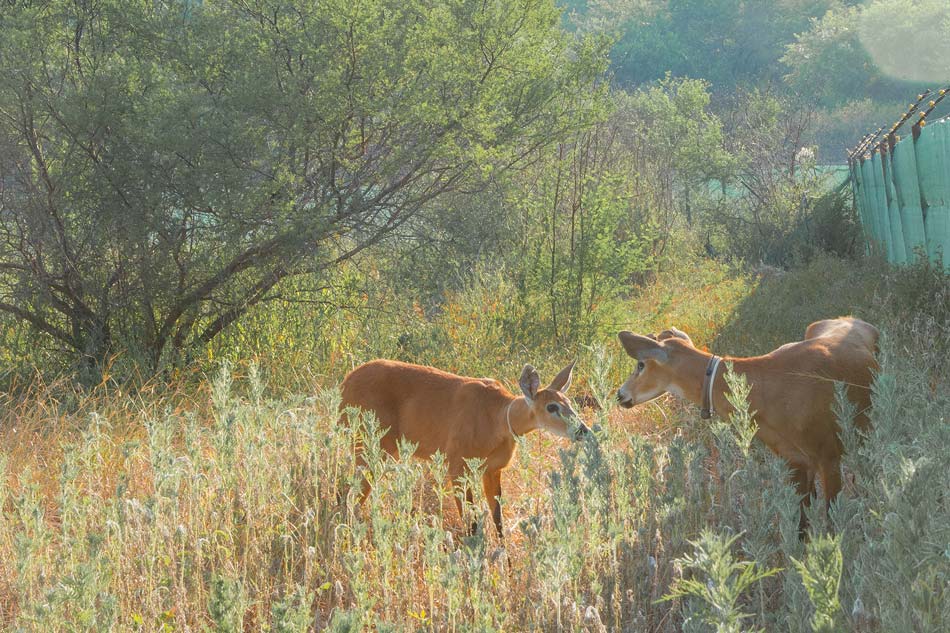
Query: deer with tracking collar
x=462, y=417
x=792, y=390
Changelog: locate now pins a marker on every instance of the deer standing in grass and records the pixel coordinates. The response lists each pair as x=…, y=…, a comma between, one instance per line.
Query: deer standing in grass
x=464, y=418
x=792, y=390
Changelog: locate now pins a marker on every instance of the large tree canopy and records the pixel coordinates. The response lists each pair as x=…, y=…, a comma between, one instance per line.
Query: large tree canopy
x=885, y=48
x=726, y=42
x=164, y=165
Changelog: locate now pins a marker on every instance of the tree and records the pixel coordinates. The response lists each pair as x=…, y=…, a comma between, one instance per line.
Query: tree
x=726, y=42
x=171, y=163
x=681, y=145
x=887, y=49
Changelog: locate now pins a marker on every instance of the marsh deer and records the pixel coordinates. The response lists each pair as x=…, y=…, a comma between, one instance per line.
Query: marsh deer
x=792, y=390
x=462, y=417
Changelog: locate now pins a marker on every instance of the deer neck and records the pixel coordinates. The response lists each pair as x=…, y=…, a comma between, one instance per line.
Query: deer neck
x=690, y=380
x=516, y=418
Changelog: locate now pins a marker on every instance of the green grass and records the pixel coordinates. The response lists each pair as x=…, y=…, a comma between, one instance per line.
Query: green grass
x=227, y=504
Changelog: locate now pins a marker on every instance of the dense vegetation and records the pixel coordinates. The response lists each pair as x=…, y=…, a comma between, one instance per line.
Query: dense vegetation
x=224, y=504
x=210, y=211
x=850, y=66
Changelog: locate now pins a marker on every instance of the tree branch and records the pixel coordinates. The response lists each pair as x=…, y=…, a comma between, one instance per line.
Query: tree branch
x=40, y=324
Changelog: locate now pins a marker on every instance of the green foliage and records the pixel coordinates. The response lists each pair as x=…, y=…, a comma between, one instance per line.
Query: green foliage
x=226, y=604
x=859, y=50
x=165, y=169
x=677, y=124
x=848, y=59
x=741, y=420
x=832, y=225
x=727, y=42
x=821, y=575
x=719, y=583
x=682, y=147
x=765, y=213
x=527, y=178
x=828, y=59
x=854, y=62
x=887, y=26
x=591, y=248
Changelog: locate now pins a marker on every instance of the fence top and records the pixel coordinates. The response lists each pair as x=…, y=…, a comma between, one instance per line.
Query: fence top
x=919, y=110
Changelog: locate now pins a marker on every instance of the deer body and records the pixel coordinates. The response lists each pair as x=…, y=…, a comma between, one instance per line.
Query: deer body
x=462, y=417
x=792, y=390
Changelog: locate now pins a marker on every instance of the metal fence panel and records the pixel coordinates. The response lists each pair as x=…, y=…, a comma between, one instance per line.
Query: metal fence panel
x=907, y=189
x=933, y=168
x=902, y=194
x=879, y=201
x=860, y=203
x=870, y=203
x=896, y=239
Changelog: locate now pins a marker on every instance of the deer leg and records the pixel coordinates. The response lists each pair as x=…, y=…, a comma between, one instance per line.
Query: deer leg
x=359, y=463
x=830, y=474
x=491, y=481
x=365, y=485
x=804, y=481
x=470, y=500
x=388, y=444
x=455, y=474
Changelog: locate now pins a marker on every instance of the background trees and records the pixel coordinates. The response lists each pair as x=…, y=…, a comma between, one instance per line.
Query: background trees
x=167, y=168
x=169, y=164
x=858, y=61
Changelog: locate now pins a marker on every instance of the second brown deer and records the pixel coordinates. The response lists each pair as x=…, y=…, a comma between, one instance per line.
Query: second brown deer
x=792, y=390
x=463, y=418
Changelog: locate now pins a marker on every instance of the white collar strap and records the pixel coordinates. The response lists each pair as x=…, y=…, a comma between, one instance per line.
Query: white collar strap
x=707, y=409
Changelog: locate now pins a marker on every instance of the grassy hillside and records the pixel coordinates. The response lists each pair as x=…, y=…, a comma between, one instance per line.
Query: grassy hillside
x=226, y=503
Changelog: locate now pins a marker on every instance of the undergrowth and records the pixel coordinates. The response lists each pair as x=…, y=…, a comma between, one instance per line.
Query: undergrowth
x=230, y=505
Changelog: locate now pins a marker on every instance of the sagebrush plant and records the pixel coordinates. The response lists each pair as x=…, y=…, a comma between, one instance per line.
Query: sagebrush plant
x=719, y=584
x=231, y=504
x=821, y=576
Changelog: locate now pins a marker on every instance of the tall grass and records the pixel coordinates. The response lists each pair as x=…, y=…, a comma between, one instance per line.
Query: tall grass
x=232, y=507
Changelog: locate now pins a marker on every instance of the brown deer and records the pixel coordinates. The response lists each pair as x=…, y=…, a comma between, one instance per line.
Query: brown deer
x=462, y=417
x=792, y=390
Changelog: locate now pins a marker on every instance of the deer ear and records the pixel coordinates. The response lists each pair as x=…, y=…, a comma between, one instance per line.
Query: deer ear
x=530, y=382
x=675, y=333
x=643, y=347
x=562, y=381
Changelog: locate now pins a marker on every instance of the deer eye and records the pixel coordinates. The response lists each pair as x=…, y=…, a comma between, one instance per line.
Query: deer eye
x=640, y=365
x=552, y=408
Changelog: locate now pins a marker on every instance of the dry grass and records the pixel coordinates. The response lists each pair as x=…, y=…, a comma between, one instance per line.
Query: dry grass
x=225, y=504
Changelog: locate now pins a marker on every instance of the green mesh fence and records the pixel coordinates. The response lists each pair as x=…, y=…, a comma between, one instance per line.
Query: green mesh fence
x=896, y=235
x=859, y=184
x=868, y=171
x=907, y=189
x=933, y=167
x=903, y=197
x=880, y=205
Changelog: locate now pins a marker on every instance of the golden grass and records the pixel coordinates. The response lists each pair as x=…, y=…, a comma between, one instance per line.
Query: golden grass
x=134, y=510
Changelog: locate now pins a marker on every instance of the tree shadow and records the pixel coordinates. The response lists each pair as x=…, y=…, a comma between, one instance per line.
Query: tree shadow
x=784, y=303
